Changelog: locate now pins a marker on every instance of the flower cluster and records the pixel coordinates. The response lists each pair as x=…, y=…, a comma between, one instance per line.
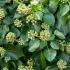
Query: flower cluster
x=45, y=26
x=62, y=64
x=22, y=67
x=10, y=37
x=2, y=13
x=22, y=8
x=21, y=41
x=31, y=18
x=30, y=62
x=45, y=35
x=2, y=52
x=68, y=48
x=32, y=34
x=17, y=23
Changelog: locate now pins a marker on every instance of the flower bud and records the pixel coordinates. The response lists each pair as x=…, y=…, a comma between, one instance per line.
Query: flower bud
x=2, y=13
x=17, y=23
x=45, y=26
x=62, y=64
x=32, y=34
x=45, y=35
x=10, y=37
x=2, y=52
x=20, y=41
x=31, y=18
x=68, y=48
x=22, y=8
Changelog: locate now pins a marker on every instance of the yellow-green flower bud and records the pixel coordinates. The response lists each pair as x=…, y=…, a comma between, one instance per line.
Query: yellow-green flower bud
x=21, y=41
x=2, y=52
x=68, y=48
x=32, y=34
x=30, y=62
x=22, y=67
x=17, y=23
x=2, y=13
x=31, y=18
x=45, y=35
x=10, y=37
x=5, y=68
x=62, y=64
x=45, y=26
x=22, y=8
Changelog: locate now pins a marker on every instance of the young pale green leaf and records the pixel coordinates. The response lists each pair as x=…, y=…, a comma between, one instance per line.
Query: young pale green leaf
x=33, y=45
x=64, y=9
x=48, y=17
x=50, y=54
x=54, y=45
x=59, y=34
x=39, y=15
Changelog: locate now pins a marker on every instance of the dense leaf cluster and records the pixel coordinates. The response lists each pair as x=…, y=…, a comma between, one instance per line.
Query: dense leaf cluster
x=34, y=34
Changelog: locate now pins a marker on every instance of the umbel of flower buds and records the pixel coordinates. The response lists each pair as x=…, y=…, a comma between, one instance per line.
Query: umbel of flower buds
x=17, y=23
x=2, y=13
x=45, y=35
x=20, y=41
x=10, y=37
x=22, y=67
x=2, y=52
x=68, y=48
x=32, y=34
x=31, y=18
x=61, y=64
x=45, y=26
x=22, y=8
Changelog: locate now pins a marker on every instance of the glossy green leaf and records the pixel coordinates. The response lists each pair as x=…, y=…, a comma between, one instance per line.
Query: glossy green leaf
x=50, y=54
x=54, y=45
x=59, y=34
x=48, y=17
x=33, y=45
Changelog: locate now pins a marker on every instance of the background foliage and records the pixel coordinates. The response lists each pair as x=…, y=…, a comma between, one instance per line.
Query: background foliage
x=35, y=34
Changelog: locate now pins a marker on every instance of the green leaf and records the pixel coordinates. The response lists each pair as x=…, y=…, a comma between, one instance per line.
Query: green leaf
x=53, y=4
x=59, y=34
x=42, y=61
x=39, y=15
x=14, y=51
x=16, y=31
x=54, y=45
x=2, y=2
x=48, y=17
x=8, y=20
x=50, y=54
x=42, y=44
x=33, y=45
x=64, y=9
